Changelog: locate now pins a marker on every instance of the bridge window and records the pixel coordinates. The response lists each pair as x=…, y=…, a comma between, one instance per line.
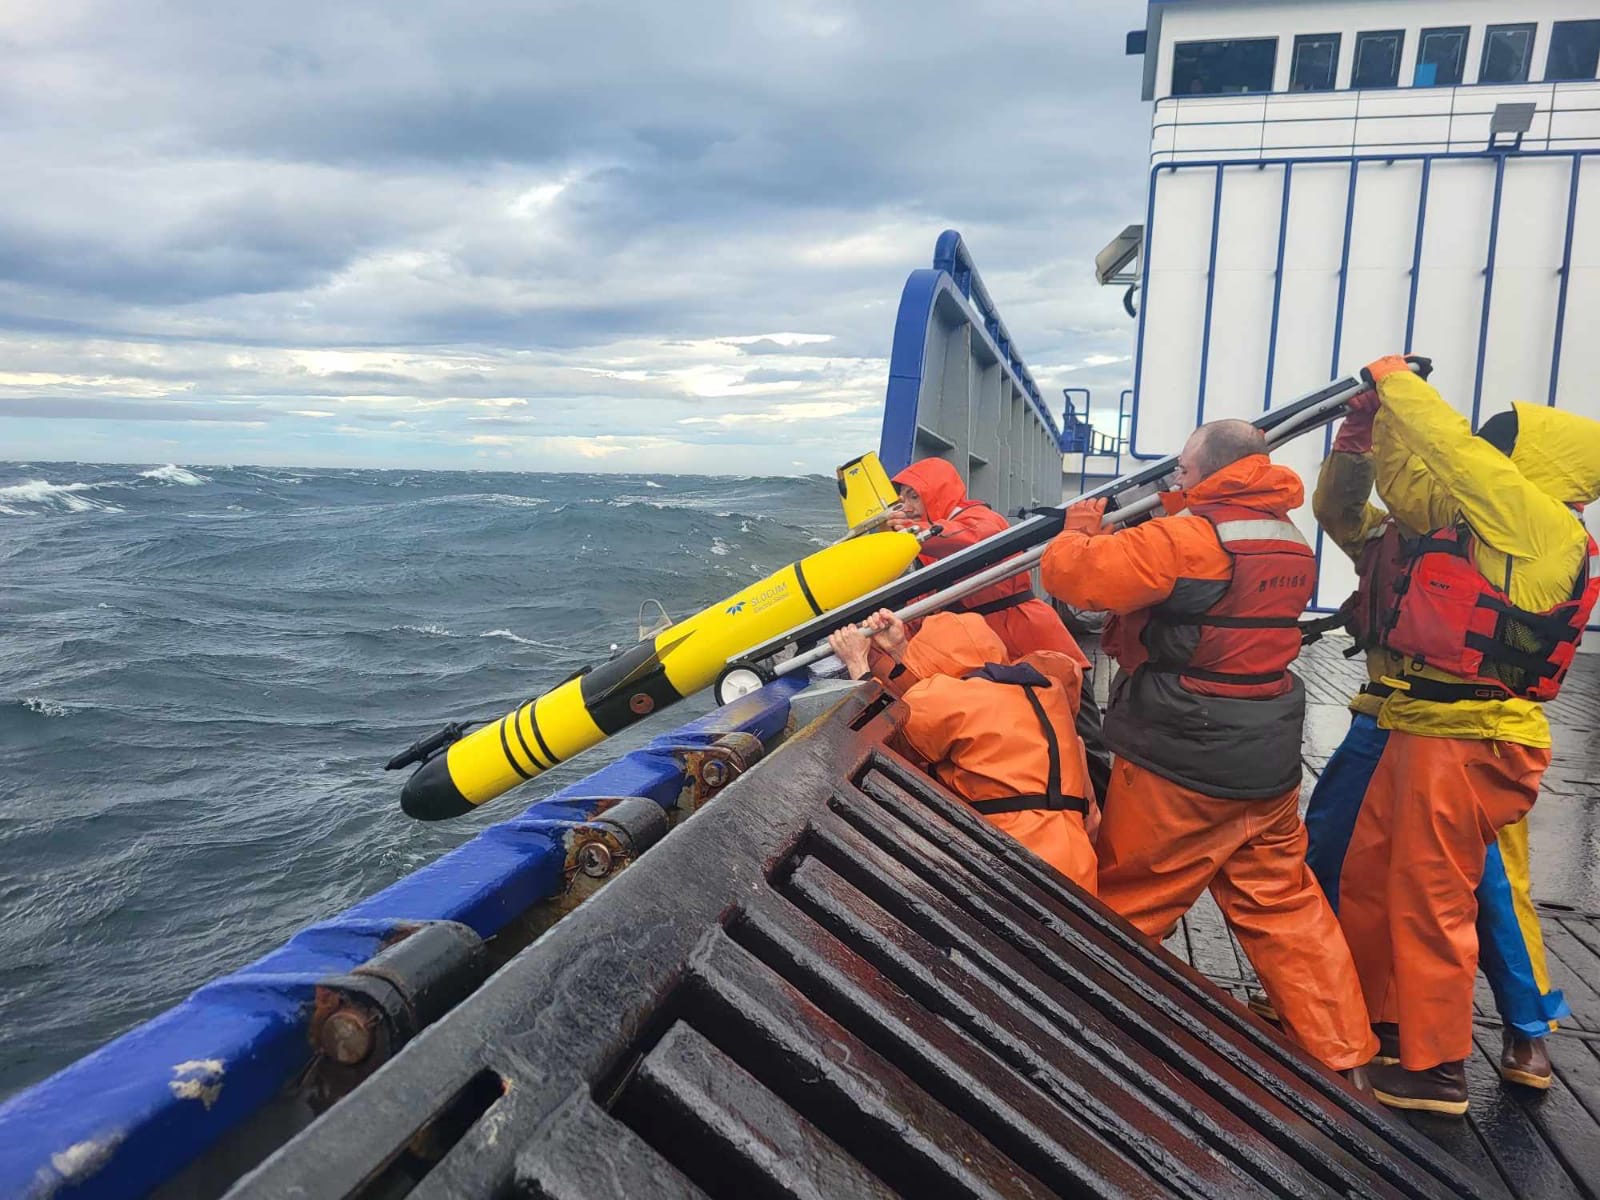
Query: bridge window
x=1313, y=63
x=1507, y=51
x=1222, y=67
x=1441, y=57
x=1377, y=62
x=1574, y=51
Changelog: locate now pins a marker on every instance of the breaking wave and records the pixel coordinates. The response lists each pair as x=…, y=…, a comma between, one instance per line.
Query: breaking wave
x=172, y=473
x=45, y=496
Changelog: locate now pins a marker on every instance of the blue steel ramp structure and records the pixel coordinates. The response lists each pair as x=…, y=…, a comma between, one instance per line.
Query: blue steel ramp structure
x=959, y=390
x=193, y=1097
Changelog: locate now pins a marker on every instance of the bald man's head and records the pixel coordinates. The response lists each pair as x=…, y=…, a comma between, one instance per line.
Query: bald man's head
x=1215, y=445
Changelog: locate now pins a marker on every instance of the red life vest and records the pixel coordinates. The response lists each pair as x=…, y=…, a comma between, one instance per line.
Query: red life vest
x=1250, y=635
x=1447, y=616
x=1370, y=608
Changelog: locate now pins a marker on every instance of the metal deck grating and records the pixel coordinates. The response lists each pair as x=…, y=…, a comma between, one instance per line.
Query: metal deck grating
x=1539, y=1146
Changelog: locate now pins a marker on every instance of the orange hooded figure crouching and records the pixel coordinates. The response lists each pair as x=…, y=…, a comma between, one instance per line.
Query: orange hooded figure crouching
x=997, y=733
x=932, y=494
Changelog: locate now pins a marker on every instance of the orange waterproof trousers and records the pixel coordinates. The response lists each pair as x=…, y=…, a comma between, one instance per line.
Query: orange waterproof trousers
x=1407, y=890
x=1161, y=845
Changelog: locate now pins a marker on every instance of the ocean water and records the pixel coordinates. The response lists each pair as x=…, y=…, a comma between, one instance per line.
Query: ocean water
x=203, y=670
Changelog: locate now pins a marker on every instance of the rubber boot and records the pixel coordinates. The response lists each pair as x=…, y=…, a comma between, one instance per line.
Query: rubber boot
x=1524, y=1060
x=1388, y=1054
x=1359, y=1079
x=1441, y=1089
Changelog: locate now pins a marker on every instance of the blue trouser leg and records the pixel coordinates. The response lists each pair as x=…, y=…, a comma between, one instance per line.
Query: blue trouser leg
x=1509, y=941
x=1336, y=801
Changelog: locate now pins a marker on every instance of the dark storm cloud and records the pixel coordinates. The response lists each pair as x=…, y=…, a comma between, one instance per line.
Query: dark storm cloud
x=532, y=191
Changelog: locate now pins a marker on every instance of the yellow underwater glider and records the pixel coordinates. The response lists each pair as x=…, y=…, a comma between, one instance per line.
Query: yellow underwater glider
x=462, y=770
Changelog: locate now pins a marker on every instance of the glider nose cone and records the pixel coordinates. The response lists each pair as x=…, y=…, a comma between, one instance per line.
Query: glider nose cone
x=431, y=795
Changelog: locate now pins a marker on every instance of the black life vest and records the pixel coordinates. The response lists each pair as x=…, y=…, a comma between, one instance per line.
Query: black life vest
x=1030, y=679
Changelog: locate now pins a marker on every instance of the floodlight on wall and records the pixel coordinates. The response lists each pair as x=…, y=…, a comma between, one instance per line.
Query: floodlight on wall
x=1511, y=120
x=1114, y=264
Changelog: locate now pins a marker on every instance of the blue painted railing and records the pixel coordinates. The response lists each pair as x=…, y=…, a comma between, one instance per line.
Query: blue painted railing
x=130, y=1116
x=1078, y=434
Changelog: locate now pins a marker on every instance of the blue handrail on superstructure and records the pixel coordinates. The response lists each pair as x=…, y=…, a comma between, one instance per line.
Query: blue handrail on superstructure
x=1078, y=434
x=127, y=1118
x=1575, y=158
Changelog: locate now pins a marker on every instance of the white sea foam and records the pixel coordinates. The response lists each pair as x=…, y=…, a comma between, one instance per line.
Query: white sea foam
x=45, y=708
x=430, y=630
x=172, y=473
x=68, y=497
x=511, y=637
x=718, y=546
x=651, y=483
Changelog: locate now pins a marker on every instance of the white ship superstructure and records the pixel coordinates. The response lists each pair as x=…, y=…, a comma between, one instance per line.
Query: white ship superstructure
x=1334, y=181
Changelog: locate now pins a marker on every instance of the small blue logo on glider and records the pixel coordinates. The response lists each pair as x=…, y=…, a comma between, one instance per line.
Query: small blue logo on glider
x=733, y=610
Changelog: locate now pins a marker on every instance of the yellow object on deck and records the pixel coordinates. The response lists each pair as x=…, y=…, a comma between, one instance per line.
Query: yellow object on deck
x=677, y=662
x=865, y=490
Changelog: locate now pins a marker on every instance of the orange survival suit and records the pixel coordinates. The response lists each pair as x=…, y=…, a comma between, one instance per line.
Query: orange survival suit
x=1023, y=622
x=1000, y=735
x=1205, y=720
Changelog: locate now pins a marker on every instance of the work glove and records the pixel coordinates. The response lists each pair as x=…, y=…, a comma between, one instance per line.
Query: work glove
x=1355, y=432
x=1390, y=363
x=1084, y=517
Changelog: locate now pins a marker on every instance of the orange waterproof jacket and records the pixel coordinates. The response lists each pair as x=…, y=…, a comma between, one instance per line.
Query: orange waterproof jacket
x=1000, y=745
x=1024, y=622
x=1231, y=728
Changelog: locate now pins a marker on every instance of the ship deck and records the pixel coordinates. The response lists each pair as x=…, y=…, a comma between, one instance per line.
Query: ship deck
x=1541, y=1145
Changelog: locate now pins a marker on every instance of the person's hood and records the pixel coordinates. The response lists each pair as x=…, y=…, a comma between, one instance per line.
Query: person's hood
x=1558, y=452
x=938, y=483
x=953, y=644
x=1254, y=482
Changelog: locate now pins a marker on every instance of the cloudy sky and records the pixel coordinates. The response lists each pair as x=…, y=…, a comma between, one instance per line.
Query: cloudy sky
x=535, y=234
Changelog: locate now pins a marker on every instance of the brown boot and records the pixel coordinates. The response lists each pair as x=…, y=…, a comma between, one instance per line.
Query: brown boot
x=1441, y=1089
x=1388, y=1044
x=1524, y=1060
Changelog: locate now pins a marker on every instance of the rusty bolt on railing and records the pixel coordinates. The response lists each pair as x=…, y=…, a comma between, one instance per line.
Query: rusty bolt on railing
x=594, y=860
x=346, y=1037
x=716, y=772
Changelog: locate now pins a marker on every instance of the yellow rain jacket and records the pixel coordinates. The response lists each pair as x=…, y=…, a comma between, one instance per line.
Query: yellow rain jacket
x=1431, y=472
